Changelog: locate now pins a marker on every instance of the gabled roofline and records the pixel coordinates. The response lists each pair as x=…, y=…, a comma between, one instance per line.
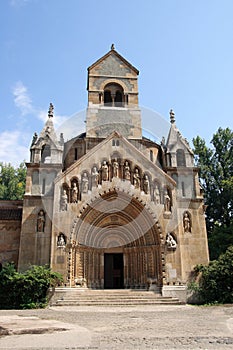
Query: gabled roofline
x=113, y=51
x=99, y=147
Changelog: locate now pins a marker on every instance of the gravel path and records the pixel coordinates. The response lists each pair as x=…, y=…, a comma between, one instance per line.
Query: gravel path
x=140, y=327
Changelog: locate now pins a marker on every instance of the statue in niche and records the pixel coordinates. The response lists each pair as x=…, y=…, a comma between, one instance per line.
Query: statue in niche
x=167, y=201
x=74, y=193
x=170, y=241
x=104, y=171
x=136, y=179
x=127, y=171
x=41, y=221
x=61, y=240
x=115, y=171
x=95, y=177
x=186, y=222
x=64, y=200
x=156, y=194
x=85, y=183
x=146, y=185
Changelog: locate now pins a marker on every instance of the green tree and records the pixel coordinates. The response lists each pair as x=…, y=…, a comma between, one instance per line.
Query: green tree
x=216, y=176
x=12, y=181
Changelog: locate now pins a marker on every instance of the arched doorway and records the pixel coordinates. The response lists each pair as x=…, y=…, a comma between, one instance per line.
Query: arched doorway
x=117, y=244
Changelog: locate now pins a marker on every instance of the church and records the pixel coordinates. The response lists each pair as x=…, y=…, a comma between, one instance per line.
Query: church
x=109, y=208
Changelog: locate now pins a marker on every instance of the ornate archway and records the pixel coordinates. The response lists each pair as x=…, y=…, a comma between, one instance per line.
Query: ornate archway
x=116, y=223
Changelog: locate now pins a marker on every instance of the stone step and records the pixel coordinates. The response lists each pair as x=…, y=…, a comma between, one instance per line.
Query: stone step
x=162, y=301
x=111, y=297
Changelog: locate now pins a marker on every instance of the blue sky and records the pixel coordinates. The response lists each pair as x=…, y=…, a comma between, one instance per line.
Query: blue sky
x=182, y=48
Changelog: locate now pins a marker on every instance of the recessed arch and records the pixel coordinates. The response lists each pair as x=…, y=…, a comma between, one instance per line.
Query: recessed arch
x=115, y=214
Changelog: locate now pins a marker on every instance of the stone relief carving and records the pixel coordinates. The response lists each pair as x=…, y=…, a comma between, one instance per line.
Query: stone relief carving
x=136, y=179
x=167, y=201
x=146, y=184
x=85, y=183
x=127, y=171
x=74, y=193
x=186, y=222
x=170, y=241
x=41, y=221
x=64, y=200
x=115, y=170
x=156, y=194
x=61, y=241
x=104, y=169
x=95, y=177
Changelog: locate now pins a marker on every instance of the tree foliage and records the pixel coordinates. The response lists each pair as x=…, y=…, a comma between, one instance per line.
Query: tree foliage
x=216, y=280
x=28, y=289
x=216, y=175
x=12, y=181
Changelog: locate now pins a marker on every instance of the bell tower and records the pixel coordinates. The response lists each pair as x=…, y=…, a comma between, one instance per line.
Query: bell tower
x=113, y=98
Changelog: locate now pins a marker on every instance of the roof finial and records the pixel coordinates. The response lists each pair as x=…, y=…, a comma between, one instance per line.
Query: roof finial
x=172, y=116
x=50, y=111
x=112, y=47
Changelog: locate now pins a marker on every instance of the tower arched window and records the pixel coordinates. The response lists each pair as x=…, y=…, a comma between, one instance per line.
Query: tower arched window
x=113, y=95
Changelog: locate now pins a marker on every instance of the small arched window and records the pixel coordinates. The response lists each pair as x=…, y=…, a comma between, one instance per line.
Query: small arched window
x=113, y=95
x=45, y=154
x=180, y=157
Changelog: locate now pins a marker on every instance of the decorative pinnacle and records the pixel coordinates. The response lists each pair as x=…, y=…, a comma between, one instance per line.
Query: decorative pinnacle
x=172, y=116
x=50, y=111
x=112, y=47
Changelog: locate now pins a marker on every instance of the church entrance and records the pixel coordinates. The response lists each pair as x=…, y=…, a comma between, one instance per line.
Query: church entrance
x=113, y=271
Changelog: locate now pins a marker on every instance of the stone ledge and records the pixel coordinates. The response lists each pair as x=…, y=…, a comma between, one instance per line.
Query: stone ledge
x=179, y=292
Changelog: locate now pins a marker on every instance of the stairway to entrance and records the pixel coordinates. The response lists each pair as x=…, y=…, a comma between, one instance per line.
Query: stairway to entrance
x=109, y=297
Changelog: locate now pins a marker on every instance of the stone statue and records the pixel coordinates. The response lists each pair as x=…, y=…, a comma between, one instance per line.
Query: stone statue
x=64, y=201
x=115, y=171
x=167, y=201
x=156, y=194
x=34, y=139
x=146, y=185
x=74, y=193
x=186, y=222
x=104, y=171
x=41, y=221
x=95, y=177
x=127, y=171
x=61, y=241
x=136, y=179
x=50, y=111
x=85, y=183
x=170, y=241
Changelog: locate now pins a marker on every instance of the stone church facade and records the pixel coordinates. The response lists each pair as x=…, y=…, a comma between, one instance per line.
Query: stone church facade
x=110, y=208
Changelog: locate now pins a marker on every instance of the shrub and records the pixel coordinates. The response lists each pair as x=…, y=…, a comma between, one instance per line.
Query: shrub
x=215, y=281
x=28, y=289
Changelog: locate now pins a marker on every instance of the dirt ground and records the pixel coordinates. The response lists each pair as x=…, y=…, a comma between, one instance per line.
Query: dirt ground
x=139, y=327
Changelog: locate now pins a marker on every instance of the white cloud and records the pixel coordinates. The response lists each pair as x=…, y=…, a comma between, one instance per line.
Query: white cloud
x=22, y=99
x=18, y=3
x=14, y=147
